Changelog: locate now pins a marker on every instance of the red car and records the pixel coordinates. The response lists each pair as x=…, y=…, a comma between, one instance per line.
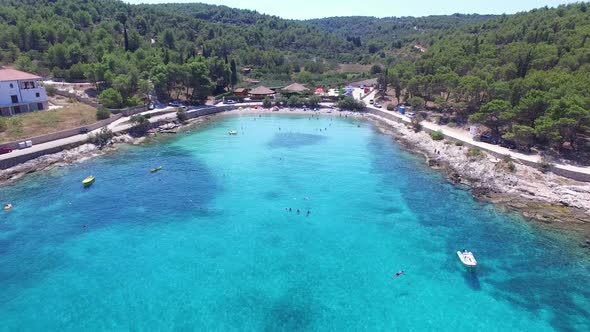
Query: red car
x=4, y=150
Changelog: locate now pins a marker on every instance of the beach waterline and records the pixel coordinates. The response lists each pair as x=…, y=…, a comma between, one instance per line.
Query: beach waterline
x=208, y=242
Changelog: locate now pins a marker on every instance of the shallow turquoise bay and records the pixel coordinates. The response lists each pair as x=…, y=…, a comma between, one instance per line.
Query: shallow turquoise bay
x=206, y=244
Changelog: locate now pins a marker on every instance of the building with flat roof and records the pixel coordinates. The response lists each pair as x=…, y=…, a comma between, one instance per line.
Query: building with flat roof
x=20, y=92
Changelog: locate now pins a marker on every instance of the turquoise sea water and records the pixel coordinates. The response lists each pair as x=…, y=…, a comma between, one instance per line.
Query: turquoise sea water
x=206, y=244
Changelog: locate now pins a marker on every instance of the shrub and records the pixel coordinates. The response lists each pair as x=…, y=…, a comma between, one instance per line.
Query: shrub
x=459, y=143
x=141, y=125
x=510, y=166
x=416, y=123
x=390, y=107
x=474, y=153
x=416, y=102
x=181, y=115
x=102, y=138
x=349, y=103
x=293, y=101
x=102, y=113
x=506, y=158
x=267, y=103
x=134, y=101
x=314, y=101
x=110, y=98
x=437, y=135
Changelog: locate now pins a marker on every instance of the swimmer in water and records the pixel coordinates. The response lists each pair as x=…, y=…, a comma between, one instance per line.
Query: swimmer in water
x=399, y=273
x=298, y=211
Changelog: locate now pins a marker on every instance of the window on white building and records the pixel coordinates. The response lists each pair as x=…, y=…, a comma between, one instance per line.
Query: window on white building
x=28, y=85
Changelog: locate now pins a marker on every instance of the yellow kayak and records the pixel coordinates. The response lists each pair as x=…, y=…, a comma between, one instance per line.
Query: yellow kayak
x=7, y=207
x=88, y=181
x=154, y=170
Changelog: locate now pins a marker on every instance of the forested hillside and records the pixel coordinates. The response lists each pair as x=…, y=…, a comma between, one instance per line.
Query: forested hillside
x=183, y=49
x=391, y=33
x=525, y=76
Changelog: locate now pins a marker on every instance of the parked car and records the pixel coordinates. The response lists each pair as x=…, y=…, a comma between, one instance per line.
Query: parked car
x=175, y=103
x=229, y=101
x=411, y=114
x=151, y=106
x=184, y=108
x=488, y=138
x=371, y=101
x=377, y=105
x=5, y=149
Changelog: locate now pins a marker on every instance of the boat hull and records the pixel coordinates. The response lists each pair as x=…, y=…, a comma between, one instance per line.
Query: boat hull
x=467, y=259
x=87, y=182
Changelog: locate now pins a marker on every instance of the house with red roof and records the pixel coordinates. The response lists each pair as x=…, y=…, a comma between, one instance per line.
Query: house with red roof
x=20, y=92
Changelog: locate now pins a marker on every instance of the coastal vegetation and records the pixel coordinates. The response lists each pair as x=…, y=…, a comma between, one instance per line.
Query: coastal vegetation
x=101, y=138
x=437, y=135
x=526, y=77
x=350, y=104
x=181, y=115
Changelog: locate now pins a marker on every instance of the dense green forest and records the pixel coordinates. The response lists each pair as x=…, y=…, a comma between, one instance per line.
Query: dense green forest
x=524, y=76
x=382, y=36
x=183, y=50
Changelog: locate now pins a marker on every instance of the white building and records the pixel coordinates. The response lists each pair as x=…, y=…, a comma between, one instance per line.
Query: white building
x=20, y=92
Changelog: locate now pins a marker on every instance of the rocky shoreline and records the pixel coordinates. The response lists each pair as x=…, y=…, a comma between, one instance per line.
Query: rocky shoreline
x=79, y=154
x=545, y=197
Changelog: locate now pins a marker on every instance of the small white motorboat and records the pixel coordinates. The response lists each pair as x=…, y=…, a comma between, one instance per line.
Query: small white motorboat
x=467, y=259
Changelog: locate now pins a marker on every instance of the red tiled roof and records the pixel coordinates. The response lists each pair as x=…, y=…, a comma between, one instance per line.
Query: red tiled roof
x=7, y=74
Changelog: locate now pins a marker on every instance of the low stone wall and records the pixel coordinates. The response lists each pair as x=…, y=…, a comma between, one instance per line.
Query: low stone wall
x=81, y=99
x=209, y=110
x=129, y=111
x=64, y=133
x=11, y=162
